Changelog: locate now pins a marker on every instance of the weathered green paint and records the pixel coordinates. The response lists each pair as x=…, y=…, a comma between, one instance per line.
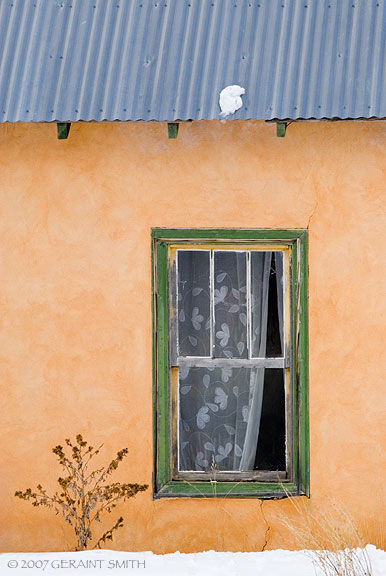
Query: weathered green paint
x=294, y=375
x=281, y=128
x=162, y=390
x=154, y=367
x=300, y=362
x=300, y=481
x=303, y=368
x=172, y=130
x=169, y=234
x=228, y=489
x=63, y=129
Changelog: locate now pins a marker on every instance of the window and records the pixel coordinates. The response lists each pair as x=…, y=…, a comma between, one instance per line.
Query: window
x=230, y=362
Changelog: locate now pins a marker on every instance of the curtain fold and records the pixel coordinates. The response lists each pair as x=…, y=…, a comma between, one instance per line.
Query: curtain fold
x=261, y=270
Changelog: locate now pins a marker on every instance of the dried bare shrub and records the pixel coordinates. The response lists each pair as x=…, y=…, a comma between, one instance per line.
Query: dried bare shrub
x=84, y=495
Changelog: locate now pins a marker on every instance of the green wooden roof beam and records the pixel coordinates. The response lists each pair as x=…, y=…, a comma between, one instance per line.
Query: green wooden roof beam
x=281, y=128
x=63, y=130
x=172, y=130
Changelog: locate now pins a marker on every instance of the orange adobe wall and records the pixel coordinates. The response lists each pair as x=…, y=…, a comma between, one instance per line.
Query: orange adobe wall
x=75, y=319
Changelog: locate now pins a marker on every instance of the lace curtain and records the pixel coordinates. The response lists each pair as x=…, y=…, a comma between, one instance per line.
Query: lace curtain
x=224, y=317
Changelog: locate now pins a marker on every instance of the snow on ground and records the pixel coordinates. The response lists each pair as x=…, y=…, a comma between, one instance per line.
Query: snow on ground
x=109, y=562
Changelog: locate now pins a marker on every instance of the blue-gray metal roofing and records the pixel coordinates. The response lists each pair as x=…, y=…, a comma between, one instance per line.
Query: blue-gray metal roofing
x=168, y=60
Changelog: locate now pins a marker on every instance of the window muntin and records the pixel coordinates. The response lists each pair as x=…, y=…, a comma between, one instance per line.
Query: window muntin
x=165, y=391
x=230, y=340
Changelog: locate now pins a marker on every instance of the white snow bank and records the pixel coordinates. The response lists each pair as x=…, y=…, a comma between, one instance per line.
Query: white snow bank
x=108, y=562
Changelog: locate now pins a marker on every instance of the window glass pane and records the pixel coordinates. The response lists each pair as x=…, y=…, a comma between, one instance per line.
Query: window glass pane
x=214, y=406
x=271, y=450
x=193, y=303
x=267, y=304
x=232, y=418
x=230, y=304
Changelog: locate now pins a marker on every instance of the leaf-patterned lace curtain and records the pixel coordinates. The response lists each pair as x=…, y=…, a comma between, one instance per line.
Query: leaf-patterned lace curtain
x=223, y=305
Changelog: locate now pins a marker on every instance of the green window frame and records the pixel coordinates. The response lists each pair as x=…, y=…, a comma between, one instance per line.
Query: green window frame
x=165, y=482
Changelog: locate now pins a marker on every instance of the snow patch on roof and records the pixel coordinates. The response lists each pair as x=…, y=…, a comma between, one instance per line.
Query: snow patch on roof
x=230, y=99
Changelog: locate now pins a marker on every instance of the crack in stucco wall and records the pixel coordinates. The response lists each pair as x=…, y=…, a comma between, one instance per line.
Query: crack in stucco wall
x=267, y=529
x=313, y=211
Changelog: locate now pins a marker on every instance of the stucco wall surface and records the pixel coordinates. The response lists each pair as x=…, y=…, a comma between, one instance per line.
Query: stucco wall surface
x=75, y=310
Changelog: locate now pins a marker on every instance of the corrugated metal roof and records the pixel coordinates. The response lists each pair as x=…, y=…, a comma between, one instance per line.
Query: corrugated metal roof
x=168, y=60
